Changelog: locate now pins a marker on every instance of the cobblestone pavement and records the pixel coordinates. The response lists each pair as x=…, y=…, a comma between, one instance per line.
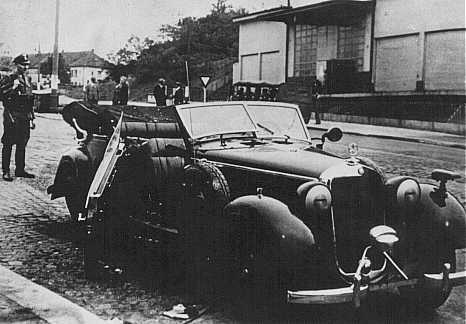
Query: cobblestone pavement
x=38, y=241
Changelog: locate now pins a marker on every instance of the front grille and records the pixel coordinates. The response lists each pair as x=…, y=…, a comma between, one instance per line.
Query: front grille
x=357, y=207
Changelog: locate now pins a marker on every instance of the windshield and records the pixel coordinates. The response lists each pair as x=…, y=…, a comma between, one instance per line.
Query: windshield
x=277, y=121
x=201, y=121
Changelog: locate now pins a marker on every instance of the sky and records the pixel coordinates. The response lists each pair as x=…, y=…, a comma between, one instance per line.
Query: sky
x=103, y=25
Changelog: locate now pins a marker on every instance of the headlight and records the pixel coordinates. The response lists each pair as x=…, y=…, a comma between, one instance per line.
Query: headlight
x=408, y=192
x=318, y=198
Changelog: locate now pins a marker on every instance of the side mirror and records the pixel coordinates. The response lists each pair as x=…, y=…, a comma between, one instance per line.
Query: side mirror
x=334, y=134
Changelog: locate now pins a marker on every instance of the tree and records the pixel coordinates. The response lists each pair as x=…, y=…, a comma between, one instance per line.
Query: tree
x=130, y=51
x=199, y=41
x=63, y=69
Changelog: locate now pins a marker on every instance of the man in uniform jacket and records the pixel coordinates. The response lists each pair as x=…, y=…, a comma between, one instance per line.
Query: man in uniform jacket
x=17, y=118
x=160, y=93
x=178, y=96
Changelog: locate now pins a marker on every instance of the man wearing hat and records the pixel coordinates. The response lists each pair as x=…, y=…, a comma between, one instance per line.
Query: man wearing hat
x=17, y=118
x=160, y=93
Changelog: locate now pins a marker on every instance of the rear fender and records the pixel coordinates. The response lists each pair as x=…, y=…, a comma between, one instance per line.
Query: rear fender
x=77, y=167
x=73, y=173
x=288, y=239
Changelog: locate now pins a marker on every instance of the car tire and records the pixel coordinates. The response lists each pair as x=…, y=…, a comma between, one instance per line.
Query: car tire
x=427, y=298
x=254, y=281
x=206, y=192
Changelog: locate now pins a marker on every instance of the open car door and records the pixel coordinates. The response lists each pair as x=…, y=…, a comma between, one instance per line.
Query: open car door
x=102, y=175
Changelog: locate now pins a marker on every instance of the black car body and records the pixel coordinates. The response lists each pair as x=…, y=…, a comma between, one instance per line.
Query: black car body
x=248, y=196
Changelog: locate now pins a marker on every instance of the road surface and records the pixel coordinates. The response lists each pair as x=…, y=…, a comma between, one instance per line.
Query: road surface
x=38, y=242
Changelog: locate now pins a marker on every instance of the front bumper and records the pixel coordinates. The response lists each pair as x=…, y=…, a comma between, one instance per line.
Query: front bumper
x=354, y=293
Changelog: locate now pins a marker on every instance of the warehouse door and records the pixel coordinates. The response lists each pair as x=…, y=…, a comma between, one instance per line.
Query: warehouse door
x=396, y=63
x=445, y=56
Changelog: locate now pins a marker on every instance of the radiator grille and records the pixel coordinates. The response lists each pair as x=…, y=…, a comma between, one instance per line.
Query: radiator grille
x=357, y=207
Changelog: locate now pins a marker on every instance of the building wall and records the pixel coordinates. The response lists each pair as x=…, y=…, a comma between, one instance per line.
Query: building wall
x=262, y=47
x=419, y=42
x=80, y=75
x=327, y=47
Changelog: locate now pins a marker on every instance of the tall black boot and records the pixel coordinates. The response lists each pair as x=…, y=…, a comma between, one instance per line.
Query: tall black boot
x=6, y=157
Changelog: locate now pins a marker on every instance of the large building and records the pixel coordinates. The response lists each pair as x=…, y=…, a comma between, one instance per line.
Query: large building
x=357, y=45
x=394, y=60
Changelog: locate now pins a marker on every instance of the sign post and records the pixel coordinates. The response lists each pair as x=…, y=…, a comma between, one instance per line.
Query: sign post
x=205, y=81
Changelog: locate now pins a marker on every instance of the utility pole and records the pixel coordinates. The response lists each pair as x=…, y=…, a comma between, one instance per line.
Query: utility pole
x=54, y=85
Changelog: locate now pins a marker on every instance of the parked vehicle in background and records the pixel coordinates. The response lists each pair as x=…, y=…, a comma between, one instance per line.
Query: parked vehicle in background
x=257, y=208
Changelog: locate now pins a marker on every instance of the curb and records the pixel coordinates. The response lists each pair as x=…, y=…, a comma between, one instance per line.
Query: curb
x=399, y=138
x=44, y=303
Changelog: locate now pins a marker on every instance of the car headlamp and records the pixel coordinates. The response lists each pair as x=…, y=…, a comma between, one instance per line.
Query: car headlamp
x=318, y=198
x=404, y=191
x=408, y=192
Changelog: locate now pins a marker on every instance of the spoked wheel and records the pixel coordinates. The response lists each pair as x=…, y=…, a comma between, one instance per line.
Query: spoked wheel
x=206, y=193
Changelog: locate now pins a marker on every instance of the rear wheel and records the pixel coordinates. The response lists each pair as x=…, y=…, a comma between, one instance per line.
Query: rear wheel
x=206, y=194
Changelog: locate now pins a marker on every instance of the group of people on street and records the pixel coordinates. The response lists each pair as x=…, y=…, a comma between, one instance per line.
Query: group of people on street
x=120, y=92
x=161, y=93
x=18, y=116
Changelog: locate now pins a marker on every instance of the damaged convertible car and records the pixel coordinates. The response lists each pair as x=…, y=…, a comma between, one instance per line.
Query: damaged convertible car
x=242, y=194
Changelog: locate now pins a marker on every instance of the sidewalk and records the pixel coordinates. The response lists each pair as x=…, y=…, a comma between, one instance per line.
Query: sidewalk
x=395, y=133
x=23, y=301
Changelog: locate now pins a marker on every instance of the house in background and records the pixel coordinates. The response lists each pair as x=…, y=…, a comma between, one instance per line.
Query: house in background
x=399, y=59
x=86, y=66
x=83, y=65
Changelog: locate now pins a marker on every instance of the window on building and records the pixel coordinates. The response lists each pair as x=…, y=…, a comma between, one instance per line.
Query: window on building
x=305, y=50
x=351, y=43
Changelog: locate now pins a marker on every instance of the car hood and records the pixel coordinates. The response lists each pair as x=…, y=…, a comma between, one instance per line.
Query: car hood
x=277, y=157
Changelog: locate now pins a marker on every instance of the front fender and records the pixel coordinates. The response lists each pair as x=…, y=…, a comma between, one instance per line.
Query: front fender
x=73, y=173
x=288, y=239
x=444, y=214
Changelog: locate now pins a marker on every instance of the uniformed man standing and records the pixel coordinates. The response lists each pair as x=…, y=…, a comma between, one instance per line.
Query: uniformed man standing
x=160, y=93
x=17, y=118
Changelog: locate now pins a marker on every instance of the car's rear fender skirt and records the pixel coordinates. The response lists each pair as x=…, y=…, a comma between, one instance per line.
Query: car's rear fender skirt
x=444, y=214
x=73, y=173
x=287, y=239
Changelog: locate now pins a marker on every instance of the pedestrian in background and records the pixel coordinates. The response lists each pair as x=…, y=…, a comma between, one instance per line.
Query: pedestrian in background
x=92, y=92
x=316, y=91
x=178, y=94
x=124, y=90
x=18, y=115
x=121, y=92
x=160, y=92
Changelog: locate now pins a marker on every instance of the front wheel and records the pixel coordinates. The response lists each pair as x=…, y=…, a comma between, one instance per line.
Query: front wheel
x=426, y=297
x=254, y=280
